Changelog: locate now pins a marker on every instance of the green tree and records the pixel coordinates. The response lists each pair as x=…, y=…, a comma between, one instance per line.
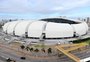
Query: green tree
x=49, y=50
x=27, y=48
x=36, y=50
x=23, y=47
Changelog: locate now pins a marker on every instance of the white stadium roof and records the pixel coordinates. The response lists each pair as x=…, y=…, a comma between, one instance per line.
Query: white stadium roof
x=35, y=29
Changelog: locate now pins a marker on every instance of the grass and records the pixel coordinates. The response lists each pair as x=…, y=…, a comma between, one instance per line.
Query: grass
x=39, y=45
x=86, y=41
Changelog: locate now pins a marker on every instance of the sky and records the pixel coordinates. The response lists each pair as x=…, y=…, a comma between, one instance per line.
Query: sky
x=36, y=9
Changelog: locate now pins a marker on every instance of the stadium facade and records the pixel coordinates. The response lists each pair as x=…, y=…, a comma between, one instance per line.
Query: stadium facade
x=48, y=28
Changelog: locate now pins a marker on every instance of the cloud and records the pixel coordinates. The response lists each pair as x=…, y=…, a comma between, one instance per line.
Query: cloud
x=13, y=6
x=41, y=6
x=71, y=5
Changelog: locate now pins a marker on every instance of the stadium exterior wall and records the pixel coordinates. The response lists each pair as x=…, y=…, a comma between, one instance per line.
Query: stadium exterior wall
x=35, y=29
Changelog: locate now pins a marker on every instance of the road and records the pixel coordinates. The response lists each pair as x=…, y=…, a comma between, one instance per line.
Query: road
x=8, y=54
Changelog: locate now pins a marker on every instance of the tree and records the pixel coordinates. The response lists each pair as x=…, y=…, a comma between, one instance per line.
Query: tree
x=43, y=50
x=49, y=50
x=36, y=50
x=22, y=47
x=27, y=48
x=31, y=49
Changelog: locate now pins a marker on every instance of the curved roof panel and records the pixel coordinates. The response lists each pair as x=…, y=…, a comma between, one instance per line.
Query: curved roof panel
x=86, y=26
x=5, y=27
x=36, y=29
x=11, y=27
x=57, y=30
x=21, y=28
x=80, y=29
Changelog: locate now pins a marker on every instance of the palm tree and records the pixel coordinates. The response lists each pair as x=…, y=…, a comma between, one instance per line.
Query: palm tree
x=31, y=49
x=27, y=48
x=49, y=50
x=43, y=50
x=36, y=50
x=22, y=47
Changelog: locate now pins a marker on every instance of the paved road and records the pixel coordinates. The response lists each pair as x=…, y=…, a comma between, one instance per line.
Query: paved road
x=6, y=53
x=83, y=54
x=11, y=55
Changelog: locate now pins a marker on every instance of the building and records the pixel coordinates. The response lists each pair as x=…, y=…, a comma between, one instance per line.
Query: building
x=86, y=19
x=49, y=28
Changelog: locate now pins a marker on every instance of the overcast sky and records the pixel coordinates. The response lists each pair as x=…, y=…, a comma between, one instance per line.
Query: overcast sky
x=35, y=9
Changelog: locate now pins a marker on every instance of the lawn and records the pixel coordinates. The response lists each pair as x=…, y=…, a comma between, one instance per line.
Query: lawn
x=87, y=41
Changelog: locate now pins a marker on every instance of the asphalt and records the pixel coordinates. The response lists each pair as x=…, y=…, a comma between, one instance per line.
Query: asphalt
x=6, y=53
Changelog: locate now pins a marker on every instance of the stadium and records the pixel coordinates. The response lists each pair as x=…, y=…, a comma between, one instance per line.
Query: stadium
x=47, y=29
